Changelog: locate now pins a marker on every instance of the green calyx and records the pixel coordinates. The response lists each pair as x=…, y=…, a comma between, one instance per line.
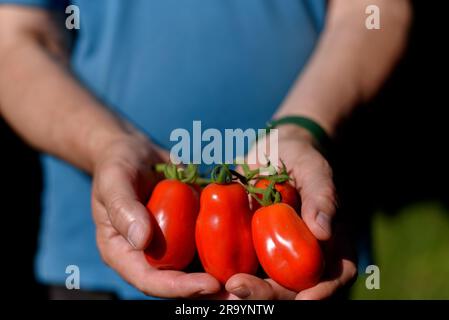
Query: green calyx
x=188, y=174
x=278, y=177
x=269, y=195
x=221, y=174
x=249, y=174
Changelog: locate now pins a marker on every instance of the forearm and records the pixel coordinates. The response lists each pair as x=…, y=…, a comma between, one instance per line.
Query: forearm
x=350, y=62
x=49, y=109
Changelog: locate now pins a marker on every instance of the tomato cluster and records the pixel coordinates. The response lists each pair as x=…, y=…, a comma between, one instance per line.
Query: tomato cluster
x=232, y=232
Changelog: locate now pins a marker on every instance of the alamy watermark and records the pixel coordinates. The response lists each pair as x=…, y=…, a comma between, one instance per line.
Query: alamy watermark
x=228, y=146
x=372, y=282
x=72, y=282
x=372, y=22
x=73, y=20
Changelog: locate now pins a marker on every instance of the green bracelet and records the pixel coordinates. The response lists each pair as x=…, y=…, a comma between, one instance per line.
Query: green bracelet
x=324, y=142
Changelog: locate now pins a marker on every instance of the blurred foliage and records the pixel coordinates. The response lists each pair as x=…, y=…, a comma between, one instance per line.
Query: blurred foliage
x=411, y=249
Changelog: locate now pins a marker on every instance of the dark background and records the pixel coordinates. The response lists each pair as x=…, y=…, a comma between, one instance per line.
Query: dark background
x=391, y=152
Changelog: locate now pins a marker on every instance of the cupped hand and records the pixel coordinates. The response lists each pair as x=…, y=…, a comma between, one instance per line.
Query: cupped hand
x=340, y=272
x=122, y=180
x=312, y=177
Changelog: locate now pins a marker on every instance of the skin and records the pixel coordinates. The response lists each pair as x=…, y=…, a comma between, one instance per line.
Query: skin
x=55, y=114
x=342, y=67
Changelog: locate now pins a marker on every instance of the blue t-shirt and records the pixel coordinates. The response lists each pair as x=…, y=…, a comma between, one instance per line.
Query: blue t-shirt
x=163, y=64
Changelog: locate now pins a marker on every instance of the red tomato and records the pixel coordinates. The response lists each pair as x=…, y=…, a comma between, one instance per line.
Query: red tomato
x=287, y=250
x=223, y=231
x=174, y=206
x=289, y=194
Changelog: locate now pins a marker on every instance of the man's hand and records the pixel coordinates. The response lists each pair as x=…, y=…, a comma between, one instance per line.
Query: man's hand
x=313, y=179
x=57, y=115
x=123, y=179
x=338, y=76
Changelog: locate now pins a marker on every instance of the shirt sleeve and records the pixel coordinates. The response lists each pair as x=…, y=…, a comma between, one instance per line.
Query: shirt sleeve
x=47, y=4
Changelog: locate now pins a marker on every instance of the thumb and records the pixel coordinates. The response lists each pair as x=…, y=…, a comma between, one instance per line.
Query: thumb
x=131, y=219
x=126, y=213
x=318, y=197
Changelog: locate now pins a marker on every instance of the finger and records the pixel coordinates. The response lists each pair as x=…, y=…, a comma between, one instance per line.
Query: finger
x=314, y=180
x=133, y=267
x=222, y=295
x=177, y=284
x=163, y=154
x=126, y=213
x=281, y=293
x=249, y=287
x=327, y=288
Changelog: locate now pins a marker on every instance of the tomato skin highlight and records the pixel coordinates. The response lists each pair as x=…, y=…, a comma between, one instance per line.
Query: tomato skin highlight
x=289, y=194
x=173, y=207
x=223, y=232
x=287, y=250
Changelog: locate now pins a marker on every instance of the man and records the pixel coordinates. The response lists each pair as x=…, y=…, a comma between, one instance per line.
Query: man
x=140, y=69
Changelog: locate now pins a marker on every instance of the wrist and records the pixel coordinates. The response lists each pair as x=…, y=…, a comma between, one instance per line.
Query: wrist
x=291, y=131
x=304, y=105
x=101, y=141
x=305, y=129
x=327, y=122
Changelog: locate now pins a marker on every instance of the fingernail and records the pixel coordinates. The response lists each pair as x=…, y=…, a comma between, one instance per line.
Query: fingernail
x=241, y=292
x=136, y=234
x=324, y=221
x=205, y=292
